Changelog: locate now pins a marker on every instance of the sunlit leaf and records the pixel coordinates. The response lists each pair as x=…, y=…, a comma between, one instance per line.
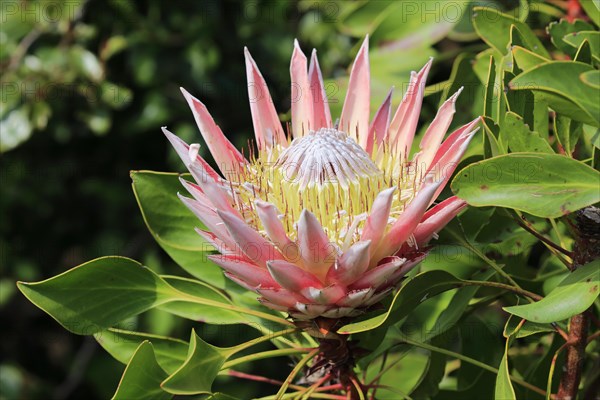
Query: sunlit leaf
x=545, y=185
x=98, y=294
x=559, y=83
x=520, y=138
x=16, y=128
x=575, y=39
x=558, y=30
x=494, y=28
x=592, y=9
x=172, y=224
x=527, y=59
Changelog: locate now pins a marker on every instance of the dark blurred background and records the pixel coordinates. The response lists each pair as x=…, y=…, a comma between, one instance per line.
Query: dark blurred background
x=85, y=88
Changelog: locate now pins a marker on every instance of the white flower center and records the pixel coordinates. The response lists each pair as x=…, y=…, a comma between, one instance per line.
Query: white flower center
x=325, y=157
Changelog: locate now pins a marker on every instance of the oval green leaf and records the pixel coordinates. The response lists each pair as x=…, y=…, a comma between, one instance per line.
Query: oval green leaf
x=411, y=294
x=572, y=296
x=545, y=185
x=101, y=293
x=98, y=294
x=559, y=83
x=495, y=27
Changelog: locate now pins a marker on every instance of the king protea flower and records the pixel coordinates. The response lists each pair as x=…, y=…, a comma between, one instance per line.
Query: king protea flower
x=324, y=221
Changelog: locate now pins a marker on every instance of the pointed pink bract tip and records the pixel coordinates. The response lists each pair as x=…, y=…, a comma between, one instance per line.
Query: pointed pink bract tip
x=302, y=263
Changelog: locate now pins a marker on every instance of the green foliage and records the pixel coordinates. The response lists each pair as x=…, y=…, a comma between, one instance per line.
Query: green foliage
x=142, y=377
x=98, y=294
x=575, y=294
x=169, y=353
x=507, y=261
x=413, y=292
x=172, y=224
x=545, y=185
x=201, y=357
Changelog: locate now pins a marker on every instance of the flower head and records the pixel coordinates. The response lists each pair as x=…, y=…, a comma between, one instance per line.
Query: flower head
x=326, y=222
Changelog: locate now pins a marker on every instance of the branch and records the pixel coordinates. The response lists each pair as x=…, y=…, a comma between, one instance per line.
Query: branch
x=510, y=288
x=527, y=226
x=585, y=250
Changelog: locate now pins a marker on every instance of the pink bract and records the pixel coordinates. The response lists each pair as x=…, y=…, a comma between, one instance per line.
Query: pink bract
x=326, y=220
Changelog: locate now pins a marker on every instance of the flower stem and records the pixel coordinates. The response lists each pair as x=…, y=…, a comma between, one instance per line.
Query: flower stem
x=263, y=355
x=300, y=389
x=295, y=372
x=309, y=390
x=268, y=337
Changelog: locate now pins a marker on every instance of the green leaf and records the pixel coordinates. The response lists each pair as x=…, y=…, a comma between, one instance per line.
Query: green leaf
x=545, y=185
x=478, y=339
x=527, y=59
x=495, y=27
x=575, y=39
x=462, y=75
x=199, y=370
x=567, y=132
x=220, y=396
x=592, y=9
x=411, y=294
x=584, y=53
x=540, y=372
x=527, y=329
x=16, y=128
x=591, y=78
x=114, y=45
x=172, y=224
x=200, y=312
x=170, y=353
x=575, y=294
x=142, y=377
x=406, y=372
x=408, y=24
x=430, y=382
x=520, y=138
x=98, y=294
x=492, y=94
x=87, y=63
x=559, y=83
x=504, y=389
x=40, y=113
x=492, y=143
x=558, y=30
